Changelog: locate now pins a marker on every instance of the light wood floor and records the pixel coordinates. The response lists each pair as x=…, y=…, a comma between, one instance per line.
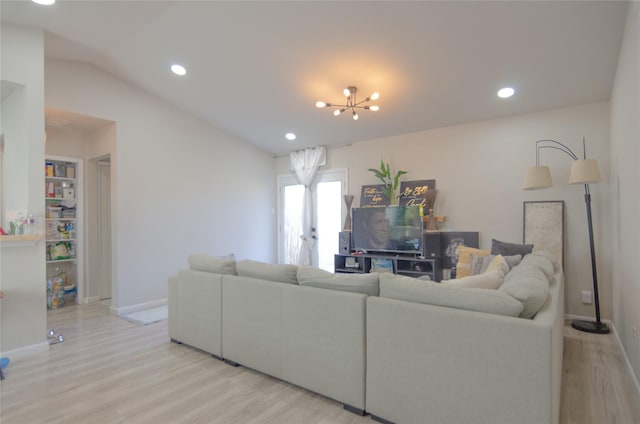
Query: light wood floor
x=111, y=371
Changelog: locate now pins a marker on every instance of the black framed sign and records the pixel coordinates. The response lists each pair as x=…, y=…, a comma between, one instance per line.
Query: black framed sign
x=543, y=226
x=372, y=196
x=414, y=193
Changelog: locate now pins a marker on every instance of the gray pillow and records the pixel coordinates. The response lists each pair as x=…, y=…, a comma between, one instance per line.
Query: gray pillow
x=215, y=264
x=356, y=283
x=281, y=273
x=509, y=249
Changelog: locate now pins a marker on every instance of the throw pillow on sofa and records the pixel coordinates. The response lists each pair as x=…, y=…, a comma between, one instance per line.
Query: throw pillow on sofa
x=216, y=264
x=280, y=273
x=509, y=249
x=491, y=279
x=357, y=283
x=472, y=299
x=479, y=264
x=463, y=266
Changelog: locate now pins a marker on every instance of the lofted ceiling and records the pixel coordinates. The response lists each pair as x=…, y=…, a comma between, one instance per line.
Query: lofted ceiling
x=256, y=68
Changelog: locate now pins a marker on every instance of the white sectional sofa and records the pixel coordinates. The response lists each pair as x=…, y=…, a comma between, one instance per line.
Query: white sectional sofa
x=419, y=352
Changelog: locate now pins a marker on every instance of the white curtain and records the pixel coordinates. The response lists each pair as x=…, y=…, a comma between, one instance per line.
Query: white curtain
x=305, y=163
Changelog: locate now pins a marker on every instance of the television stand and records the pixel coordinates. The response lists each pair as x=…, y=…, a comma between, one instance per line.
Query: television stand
x=403, y=265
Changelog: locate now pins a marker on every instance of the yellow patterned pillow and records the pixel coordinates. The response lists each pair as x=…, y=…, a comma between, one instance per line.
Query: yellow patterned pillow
x=463, y=268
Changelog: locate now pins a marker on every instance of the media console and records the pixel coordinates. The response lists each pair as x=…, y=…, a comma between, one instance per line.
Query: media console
x=403, y=265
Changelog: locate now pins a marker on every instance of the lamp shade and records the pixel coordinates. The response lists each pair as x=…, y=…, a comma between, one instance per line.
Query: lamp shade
x=537, y=177
x=584, y=171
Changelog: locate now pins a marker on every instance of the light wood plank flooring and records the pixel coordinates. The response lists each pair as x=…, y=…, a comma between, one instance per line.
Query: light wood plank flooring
x=109, y=370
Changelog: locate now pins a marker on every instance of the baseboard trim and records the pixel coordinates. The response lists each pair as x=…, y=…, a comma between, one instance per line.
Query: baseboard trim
x=26, y=351
x=92, y=299
x=634, y=378
x=139, y=306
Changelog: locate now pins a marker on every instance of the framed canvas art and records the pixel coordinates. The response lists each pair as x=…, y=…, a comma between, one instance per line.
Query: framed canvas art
x=543, y=226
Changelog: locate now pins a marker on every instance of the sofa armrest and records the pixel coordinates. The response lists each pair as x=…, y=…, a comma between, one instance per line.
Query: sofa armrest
x=452, y=365
x=195, y=305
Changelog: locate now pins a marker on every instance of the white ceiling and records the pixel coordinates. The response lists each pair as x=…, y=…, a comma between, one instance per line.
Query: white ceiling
x=256, y=69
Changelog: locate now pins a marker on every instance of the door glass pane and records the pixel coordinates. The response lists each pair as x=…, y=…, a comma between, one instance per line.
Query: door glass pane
x=292, y=222
x=328, y=214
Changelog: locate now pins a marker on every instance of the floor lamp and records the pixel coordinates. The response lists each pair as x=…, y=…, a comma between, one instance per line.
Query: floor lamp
x=583, y=171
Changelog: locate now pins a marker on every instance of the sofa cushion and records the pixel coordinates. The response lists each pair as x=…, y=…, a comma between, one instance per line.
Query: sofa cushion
x=557, y=266
x=358, y=283
x=509, y=249
x=463, y=266
x=281, y=273
x=488, y=280
x=215, y=264
x=542, y=263
x=472, y=299
x=529, y=286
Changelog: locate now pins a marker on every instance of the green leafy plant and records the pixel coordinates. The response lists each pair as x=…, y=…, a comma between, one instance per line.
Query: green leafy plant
x=390, y=182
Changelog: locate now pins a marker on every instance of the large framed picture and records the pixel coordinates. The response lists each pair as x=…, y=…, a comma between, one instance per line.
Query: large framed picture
x=543, y=226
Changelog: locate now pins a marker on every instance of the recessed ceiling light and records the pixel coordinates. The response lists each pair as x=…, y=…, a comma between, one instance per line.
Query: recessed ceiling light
x=178, y=69
x=290, y=136
x=44, y=2
x=506, y=92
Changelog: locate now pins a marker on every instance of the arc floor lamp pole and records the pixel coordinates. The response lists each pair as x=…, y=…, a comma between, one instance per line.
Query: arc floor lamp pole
x=583, y=171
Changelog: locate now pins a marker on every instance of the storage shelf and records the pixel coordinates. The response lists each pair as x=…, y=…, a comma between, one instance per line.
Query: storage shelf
x=22, y=240
x=59, y=198
x=59, y=240
x=60, y=261
x=61, y=219
x=59, y=178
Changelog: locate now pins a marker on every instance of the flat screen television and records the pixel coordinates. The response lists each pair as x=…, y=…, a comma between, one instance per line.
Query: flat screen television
x=393, y=229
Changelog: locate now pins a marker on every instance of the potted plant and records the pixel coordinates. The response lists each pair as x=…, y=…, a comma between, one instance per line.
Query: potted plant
x=390, y=182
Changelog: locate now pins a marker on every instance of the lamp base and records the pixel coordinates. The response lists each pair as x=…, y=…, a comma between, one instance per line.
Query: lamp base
x=590, y=326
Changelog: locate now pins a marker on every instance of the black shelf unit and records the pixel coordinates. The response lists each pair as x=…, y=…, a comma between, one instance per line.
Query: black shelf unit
x=402, y=265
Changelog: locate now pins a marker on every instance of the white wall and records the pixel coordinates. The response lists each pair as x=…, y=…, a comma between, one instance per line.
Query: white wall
x=479, y=170
x=22, y=269
x=180, y=185
x=625, y=180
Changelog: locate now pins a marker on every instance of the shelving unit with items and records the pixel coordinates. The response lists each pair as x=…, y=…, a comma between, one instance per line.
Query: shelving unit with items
x=63, y=219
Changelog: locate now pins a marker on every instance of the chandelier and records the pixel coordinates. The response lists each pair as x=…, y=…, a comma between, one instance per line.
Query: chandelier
x=352, y=103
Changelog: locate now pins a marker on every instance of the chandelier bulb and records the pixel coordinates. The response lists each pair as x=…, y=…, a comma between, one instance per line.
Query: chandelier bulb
x=322, y=104
x=373, y=108
x=375, y=96
x=355, y=116
x=337, y=112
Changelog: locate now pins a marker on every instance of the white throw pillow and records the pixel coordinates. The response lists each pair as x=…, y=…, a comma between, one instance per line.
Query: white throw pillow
x=499, y=263
x=491, y=279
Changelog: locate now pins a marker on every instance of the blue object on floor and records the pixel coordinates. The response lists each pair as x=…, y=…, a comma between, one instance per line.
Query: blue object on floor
x=3, y=364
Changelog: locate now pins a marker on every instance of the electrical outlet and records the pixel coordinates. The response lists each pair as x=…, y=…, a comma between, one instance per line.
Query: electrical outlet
x=586, y=297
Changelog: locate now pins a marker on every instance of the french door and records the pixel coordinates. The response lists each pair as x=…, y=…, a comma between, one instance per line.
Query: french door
x=327, y=217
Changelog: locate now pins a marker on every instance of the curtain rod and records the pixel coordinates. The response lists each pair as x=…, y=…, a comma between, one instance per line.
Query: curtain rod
x=328, y=147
